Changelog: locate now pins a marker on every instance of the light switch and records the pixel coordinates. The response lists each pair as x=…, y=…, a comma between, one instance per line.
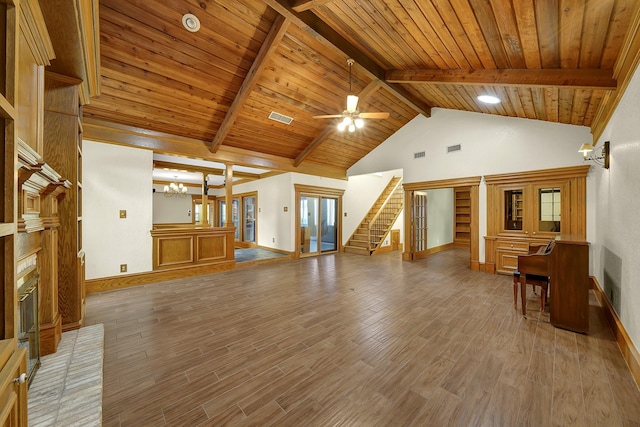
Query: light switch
x=123, y=213
x=286, y=209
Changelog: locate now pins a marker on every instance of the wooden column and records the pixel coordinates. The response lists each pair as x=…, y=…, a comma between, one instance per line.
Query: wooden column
x=228, y=188
x=204, y=216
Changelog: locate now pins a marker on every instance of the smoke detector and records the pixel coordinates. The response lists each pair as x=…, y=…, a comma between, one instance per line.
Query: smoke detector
x=190, y=22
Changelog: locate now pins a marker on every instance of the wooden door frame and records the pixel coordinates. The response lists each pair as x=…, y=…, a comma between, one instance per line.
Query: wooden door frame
x=312, y=191
x=473, y=183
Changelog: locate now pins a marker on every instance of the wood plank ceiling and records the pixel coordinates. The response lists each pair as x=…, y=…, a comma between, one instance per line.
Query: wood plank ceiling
x=210, y=92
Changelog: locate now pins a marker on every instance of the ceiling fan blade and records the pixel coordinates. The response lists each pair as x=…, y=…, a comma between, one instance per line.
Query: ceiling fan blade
x=374, y=115
x=328, y=116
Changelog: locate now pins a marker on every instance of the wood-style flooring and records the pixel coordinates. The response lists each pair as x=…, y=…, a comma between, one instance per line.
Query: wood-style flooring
x=353, y=340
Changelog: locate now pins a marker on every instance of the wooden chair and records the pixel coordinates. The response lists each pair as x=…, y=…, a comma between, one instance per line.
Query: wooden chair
x=541, y=281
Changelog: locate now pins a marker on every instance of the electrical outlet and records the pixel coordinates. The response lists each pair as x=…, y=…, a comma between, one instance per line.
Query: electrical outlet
x=123, y=213
x=274, y=240
x=123, y=268
x=286, y=209
x=345, y=214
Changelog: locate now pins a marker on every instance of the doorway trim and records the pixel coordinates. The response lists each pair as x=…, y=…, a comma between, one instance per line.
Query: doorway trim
x=473, y=183
x=309, y=190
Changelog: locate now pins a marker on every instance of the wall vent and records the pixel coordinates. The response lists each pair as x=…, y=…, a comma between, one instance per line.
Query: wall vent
x=418, y=155
x=452, y=148
x=280, y=118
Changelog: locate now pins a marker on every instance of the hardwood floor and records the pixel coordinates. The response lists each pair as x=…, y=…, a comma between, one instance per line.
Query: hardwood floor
x=353, y=340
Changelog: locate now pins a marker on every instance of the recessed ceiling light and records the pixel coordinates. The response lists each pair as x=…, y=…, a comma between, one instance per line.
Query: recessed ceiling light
x=191, y=22
x=488, y=99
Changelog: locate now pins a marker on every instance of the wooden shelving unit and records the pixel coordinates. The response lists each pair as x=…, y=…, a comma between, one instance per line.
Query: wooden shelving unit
x=462, y=220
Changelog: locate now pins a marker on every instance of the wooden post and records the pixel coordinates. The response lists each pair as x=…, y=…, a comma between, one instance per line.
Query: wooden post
x=228, y=187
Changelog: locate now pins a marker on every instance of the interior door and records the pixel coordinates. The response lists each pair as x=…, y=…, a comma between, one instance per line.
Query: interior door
x=419, y=225
x=249, y=215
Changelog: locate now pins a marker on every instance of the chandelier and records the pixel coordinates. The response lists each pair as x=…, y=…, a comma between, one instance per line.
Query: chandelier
x=175, y=189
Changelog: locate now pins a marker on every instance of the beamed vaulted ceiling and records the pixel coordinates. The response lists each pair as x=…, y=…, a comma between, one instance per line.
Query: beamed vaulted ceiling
x=209, y=94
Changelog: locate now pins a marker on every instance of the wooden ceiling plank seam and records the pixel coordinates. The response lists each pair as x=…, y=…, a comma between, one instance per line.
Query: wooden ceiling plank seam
x=594, y=32
x=362, y=22
x=153, y=100
x=270, y=44
x=457, y=94
x=619, y=23
x=565, y=99
x=490, y=32
x=334, y=40
x=446, y=46
x=505, y=20
x=596, y=99
x=197, y=99
x=551, y=103
x=525, y=15
x=581, y=99
x=308, y=22
x=579, y=78
x=162, y=65
x=570, y=26
x=407, y=14
x=330, y=129
x=188, y=44
x=537, y=95
x=549, y=33
x=527, y=103
x=458, y=33
x=472, y=28
x=135, y=109
x=515, y=101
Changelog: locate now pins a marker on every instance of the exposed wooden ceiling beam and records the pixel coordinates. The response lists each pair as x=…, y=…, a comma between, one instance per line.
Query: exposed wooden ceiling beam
x=163, y=143
x=326, y=35
x=270, y=44
x=204, y=170
x=330, y=129
x=575, y=78
x=302, y=5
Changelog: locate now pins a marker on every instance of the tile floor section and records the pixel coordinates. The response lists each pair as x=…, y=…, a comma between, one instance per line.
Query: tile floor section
x=67, y=389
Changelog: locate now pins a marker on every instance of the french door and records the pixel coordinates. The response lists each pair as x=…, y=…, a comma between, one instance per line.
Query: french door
x=318, y=220
x=419, y=224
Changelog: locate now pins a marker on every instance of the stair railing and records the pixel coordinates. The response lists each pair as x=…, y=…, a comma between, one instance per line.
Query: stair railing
x=379, y=226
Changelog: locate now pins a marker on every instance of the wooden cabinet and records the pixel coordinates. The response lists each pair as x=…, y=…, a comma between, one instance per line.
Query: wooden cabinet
x=530, y=208
x=62, y=150
x=13, y=385
x=462, y=220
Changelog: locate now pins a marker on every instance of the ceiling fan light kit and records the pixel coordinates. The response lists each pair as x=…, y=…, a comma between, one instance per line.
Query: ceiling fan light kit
x=352, y=119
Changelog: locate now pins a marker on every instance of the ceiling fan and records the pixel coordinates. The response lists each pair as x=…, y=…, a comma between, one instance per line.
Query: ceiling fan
x=352, y=118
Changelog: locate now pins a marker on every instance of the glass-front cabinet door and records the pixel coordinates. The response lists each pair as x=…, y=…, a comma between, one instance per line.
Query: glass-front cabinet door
x=549, y=210
x=514, y=209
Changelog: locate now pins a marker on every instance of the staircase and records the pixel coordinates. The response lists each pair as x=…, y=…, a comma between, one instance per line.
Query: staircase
x=376, y=225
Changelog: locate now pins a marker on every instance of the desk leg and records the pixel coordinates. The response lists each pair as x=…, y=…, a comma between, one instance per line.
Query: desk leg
x=523, y=294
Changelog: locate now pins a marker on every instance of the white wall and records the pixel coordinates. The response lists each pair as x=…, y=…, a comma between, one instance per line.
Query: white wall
x=615, y=240
x=439, y=217
x=490, y=145
x=274, y=194
x=115, y=178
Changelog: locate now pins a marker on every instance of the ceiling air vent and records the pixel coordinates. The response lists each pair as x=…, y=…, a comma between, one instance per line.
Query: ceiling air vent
x=280, y=118
x=452, y=148
x=418, y=155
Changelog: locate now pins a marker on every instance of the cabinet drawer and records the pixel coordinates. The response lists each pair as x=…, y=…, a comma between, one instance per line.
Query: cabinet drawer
x=507, y=261
x=512, y=246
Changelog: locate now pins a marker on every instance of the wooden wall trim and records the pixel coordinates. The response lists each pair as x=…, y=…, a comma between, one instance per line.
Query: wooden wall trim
x=126, y=281
x=628, y=349
x=536, y=175
x=442, y=183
